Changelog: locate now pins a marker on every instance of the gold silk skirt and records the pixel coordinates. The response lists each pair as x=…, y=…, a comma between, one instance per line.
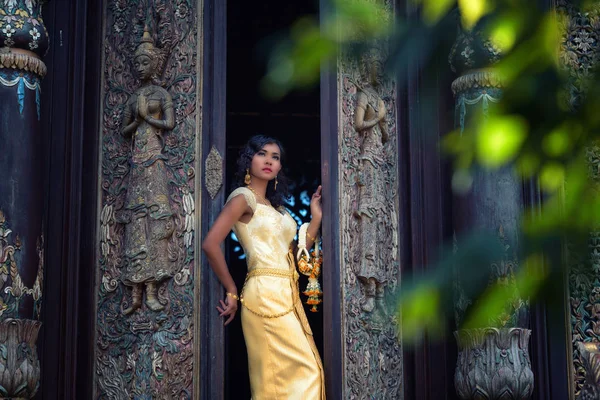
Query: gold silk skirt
x=283, y=361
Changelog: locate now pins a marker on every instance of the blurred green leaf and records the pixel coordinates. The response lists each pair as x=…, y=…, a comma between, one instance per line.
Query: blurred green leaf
x=499, y=139
x=557, y=142
x=505, y=297
x=358, y=20
x=505, y=30
x=472, y=11
x=419, y=312
x=552, y=176
x=434, y=10
x=527, y=165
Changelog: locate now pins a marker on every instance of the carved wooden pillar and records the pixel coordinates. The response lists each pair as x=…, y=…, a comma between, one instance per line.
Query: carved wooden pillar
x=368, y=227
x=23, y=41
x=148, y=316
x=580, y=50
x=493, y=361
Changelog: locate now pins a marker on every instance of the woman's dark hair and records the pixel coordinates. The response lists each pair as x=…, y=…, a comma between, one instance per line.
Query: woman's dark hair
x=256, y=143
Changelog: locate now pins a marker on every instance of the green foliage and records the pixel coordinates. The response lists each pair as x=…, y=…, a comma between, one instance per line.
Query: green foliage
x=545, y=126
x=296, y=61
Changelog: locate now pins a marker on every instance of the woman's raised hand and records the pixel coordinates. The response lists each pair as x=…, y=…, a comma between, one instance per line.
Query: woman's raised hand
x=228, y=309
x=315, y=205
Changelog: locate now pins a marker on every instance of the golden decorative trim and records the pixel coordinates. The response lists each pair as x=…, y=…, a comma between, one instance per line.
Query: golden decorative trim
x=280, y=273
x=22, y=61
x=477, y=79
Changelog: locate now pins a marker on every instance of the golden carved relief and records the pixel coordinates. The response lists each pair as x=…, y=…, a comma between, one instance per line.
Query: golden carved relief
x=11, y=283
x=147, y=214
x=370, y=122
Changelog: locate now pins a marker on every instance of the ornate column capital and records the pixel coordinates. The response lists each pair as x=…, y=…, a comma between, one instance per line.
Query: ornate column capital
x=23, y=36
x=22, y=60
x=480, y=79
x=19, y=364
x=493, y=363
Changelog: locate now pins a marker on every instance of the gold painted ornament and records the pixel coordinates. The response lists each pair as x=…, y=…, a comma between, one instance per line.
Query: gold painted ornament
x=309, y=264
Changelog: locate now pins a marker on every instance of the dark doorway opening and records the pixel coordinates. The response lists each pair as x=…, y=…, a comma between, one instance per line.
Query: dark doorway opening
x=294, y=120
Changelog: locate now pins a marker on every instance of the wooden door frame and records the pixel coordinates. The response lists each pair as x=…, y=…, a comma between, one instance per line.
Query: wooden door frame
x=332, y=287
x=214, y=117
x=70, y=102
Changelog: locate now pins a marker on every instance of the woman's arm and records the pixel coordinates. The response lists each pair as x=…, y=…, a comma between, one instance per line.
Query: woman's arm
x=311, y=232
x=315, y=222
x=211, y=246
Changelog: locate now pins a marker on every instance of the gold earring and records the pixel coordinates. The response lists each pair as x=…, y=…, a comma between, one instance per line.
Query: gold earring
x=275, y=183
x=247, y=178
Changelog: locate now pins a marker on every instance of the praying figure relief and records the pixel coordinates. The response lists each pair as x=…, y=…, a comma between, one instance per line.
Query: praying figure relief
x=147, y=213
x=370, y=123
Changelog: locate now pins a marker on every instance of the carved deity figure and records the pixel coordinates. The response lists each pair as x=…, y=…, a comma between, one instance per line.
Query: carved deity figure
x=147, y=213
x=370, y=123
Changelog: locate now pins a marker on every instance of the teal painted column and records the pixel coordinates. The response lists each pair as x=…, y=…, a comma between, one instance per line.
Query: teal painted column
x=493, y=360
x=23, y=42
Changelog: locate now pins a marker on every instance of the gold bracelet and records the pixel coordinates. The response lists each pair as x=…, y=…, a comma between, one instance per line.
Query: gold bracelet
x=234, y=296
x=310, y=237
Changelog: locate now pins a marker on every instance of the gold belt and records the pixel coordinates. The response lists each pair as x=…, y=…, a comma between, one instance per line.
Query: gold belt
x=270, y=272
x=279, y=273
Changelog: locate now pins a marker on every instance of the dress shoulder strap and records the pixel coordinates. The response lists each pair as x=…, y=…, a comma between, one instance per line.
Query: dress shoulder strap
x=248, y=195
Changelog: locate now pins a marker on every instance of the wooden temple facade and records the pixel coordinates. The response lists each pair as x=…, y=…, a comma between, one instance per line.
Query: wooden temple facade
x=72, y=222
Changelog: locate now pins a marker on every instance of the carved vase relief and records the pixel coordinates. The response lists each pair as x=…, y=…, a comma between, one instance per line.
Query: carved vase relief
x=493, y=364
x=579, y=55
x=369, y=224
x=145, y=303
x=19, y=364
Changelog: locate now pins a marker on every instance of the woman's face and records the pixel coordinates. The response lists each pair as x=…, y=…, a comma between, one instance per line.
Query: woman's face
x=143, y=66
x=266, y=163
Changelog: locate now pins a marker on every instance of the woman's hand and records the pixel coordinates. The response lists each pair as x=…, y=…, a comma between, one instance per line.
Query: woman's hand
x=315, y=205
x=228, y=309
x=142, y=106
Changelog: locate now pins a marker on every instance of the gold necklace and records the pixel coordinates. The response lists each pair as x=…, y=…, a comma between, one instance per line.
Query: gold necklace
x=264, y=201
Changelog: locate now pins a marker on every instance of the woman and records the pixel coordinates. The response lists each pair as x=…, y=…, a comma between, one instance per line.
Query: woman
x=283, y=361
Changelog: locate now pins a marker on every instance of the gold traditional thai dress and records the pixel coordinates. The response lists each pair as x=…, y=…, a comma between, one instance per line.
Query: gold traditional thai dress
x=283, y=361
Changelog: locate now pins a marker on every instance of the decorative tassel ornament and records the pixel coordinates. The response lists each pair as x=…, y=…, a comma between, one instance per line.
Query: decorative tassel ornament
x=247, y=178
x=312, y=269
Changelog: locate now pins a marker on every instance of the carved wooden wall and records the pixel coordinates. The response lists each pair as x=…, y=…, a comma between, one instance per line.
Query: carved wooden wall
x=579, y=56
x=149, y=354
x=369, y=242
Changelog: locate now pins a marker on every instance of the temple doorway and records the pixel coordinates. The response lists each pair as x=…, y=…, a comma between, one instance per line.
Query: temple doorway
x=252, y=27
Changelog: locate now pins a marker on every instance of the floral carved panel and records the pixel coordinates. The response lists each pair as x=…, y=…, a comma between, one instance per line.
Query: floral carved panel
x=579, y=56
x=148, y=351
